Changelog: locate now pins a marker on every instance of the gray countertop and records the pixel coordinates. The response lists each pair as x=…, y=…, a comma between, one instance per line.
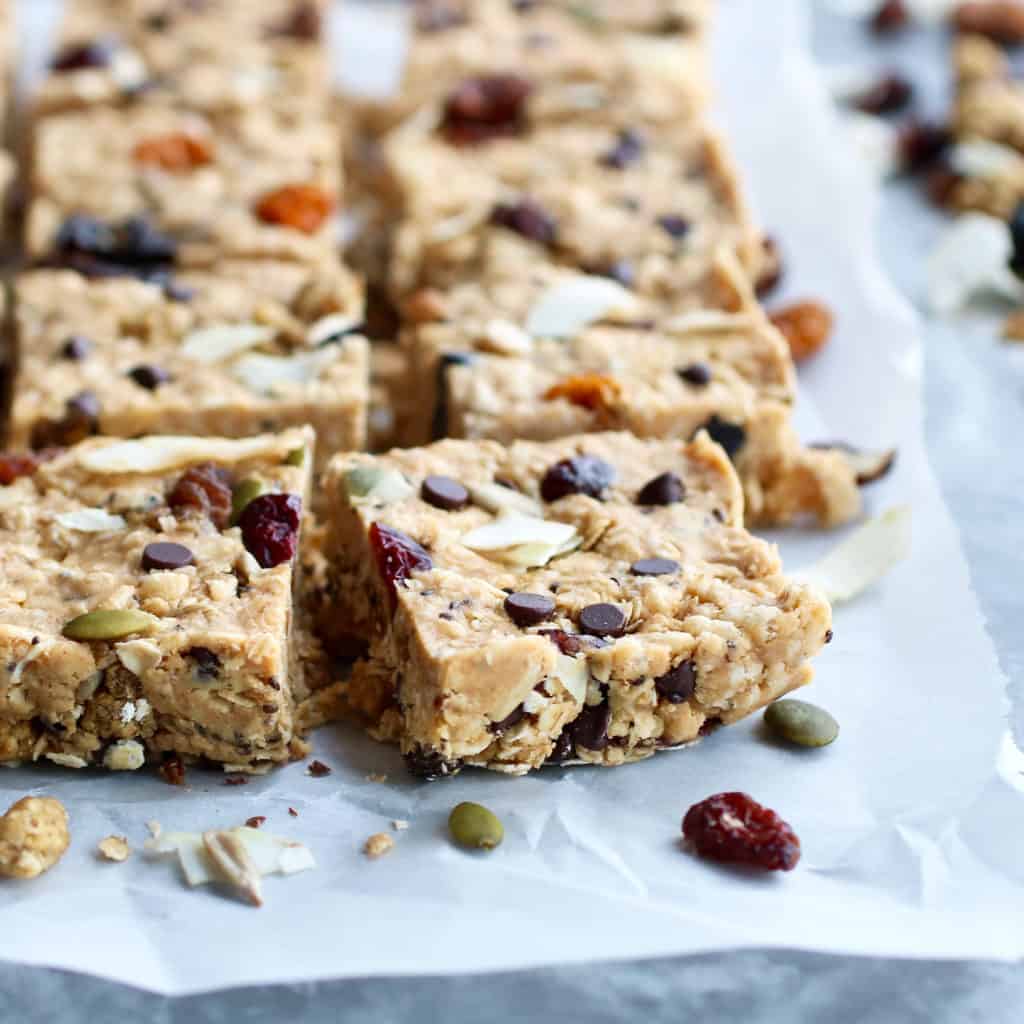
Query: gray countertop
x=975, y=420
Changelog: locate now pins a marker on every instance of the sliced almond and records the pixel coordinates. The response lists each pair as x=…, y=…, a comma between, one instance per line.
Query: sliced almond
x=224, y=341
x=505, y=338
x=230, y=856
x=575, y=302
x=497, y=499
x=159, y=453
x=706, y=321
x=867, y=467
x=91, y=520
x=523, y=541
x=573, y=674
x=268, y=375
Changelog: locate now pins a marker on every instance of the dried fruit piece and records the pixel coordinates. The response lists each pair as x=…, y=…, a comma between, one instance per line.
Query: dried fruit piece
x=1013, y=328
x=475, y=827
x=172, y=770
x=33, y=836
x=801, y=723
x=270, y=528
x=176, y=152
x=806, y=326
x=891, y=93
x=205, y=488
x=318, y=770
x=397, y=555
x=16, y=464
x=891, y=16
x=735, y=829
x=486, y=107
x=594, y=391
x=80, y=420
x=304, y=207
x=1002, y=21
x=582, y=474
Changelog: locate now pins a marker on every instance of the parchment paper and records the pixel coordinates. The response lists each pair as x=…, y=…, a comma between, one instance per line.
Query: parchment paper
x=911, y=823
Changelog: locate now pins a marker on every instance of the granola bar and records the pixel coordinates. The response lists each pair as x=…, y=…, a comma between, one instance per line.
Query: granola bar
x=592, y=599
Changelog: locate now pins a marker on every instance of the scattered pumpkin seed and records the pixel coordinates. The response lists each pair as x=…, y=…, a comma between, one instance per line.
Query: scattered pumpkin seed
x=475, y=827
x=244, y=492
x=296, y=457
x=801, y=723
x=109, y=624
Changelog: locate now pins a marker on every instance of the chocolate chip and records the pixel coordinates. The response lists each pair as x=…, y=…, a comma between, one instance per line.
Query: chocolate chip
x=677, y=685
x=437, y=16
x=526, y=609
x=166, y=555
x=923, y=144
x=207, y=663
x=654, y=567
x=602, y=620
x=95, y=248
x=517, y=715
x=563, y=749
x=629, y=146
x=445, y=493
x=697, y=374
x=772, y=268
x=304, y=23
x=81, y=56
x=676, y=226
x=665, y=489
x=77, y=347
x=149, y=377
x=526, y=218
x=731, y=436
x=582, y=474
x=429, y=765
x=828, y=636
x=590, y=728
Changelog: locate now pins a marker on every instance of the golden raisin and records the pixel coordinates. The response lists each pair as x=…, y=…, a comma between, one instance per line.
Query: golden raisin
x=206, y=488
x=806, y=326
x=176, y=152
x=590, y=390
x=302, y=207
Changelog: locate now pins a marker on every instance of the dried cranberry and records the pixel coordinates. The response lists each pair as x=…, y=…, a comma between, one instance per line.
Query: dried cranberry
x=397, y=555
x=205, y=488
x=567, y=643
x=256, y=821
x=318, y=769
x=526, y=218
x=582, y=474
x=270, y=528
x=430, y=765
x=891, y=93
x=82, y=56
x=735, y=829
x=891, y=16
x=486, y=107
x=14, y=465
x=923, y=144
x=629, y=147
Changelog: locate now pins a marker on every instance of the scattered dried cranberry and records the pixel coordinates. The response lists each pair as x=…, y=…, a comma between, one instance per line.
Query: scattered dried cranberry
x=14, y=465
x=526, y=218
x=486, y=107
x=172, y=770
x=891, y=16
x=256, y=821
x=733, y=828
x=922, y=144
x=270, y=528
x=303, y=207
x=629, y=147
x=567, y=643
x=582, y=474
x=891, y=93
x=82, y=56
x=397, y=555
x=206, y=488
x=318, y=769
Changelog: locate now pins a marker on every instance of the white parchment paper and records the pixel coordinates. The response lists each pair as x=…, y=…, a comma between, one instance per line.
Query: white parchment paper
x=912, y=828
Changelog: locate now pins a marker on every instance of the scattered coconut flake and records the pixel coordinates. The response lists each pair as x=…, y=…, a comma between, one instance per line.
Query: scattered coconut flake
x=124, y=756
x=223, y=341
x=876, y=142
x=497, y=499
x=67, y=760
x=505, y=338
x=863, y=558
x=523, y=541
x=972, y=260
x=574, y=303
x=114, y=848
x=158, y=453
x=331, y=326
x=268, y=374
x=91, y=520
x=264, y=854
x=980, y=158
x=138, y=656
x=573, y=674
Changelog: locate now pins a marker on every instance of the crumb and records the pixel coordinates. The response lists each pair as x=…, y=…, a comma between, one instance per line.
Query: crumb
x=294, y=813
x=155, y=828
x=378, y=844
x=1013, y=326
x=236, y=780
x=376, y=777
x=255, y=821
x=317, y=769
x=115, y=848
x=399, y=824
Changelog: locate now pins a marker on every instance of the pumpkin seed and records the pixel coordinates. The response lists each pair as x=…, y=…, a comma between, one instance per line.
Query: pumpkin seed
x=296, y=457
x=475, y=827
x=244, y=492
x=109, y=624
x=801, y=723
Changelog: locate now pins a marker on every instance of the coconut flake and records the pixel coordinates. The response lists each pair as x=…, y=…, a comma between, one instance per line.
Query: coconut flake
x=497, y=499
x=971, y=260
x=223, y=341
x=159, y=453
x=573, y=674
x=91, y=520
x=268, y=374
x=523, y=541
x=33, y=652
x=575, y=302
x=980, y=158
x=505, y=338
x=863, y=558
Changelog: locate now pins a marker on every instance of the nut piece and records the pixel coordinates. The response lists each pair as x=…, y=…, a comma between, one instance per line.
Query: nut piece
x=378, y=844
x=33, y=837
x=109, y=624
x=475, y=827
x=114, y=848
x=806, y=326
x=801, y=723
x=228, y=854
